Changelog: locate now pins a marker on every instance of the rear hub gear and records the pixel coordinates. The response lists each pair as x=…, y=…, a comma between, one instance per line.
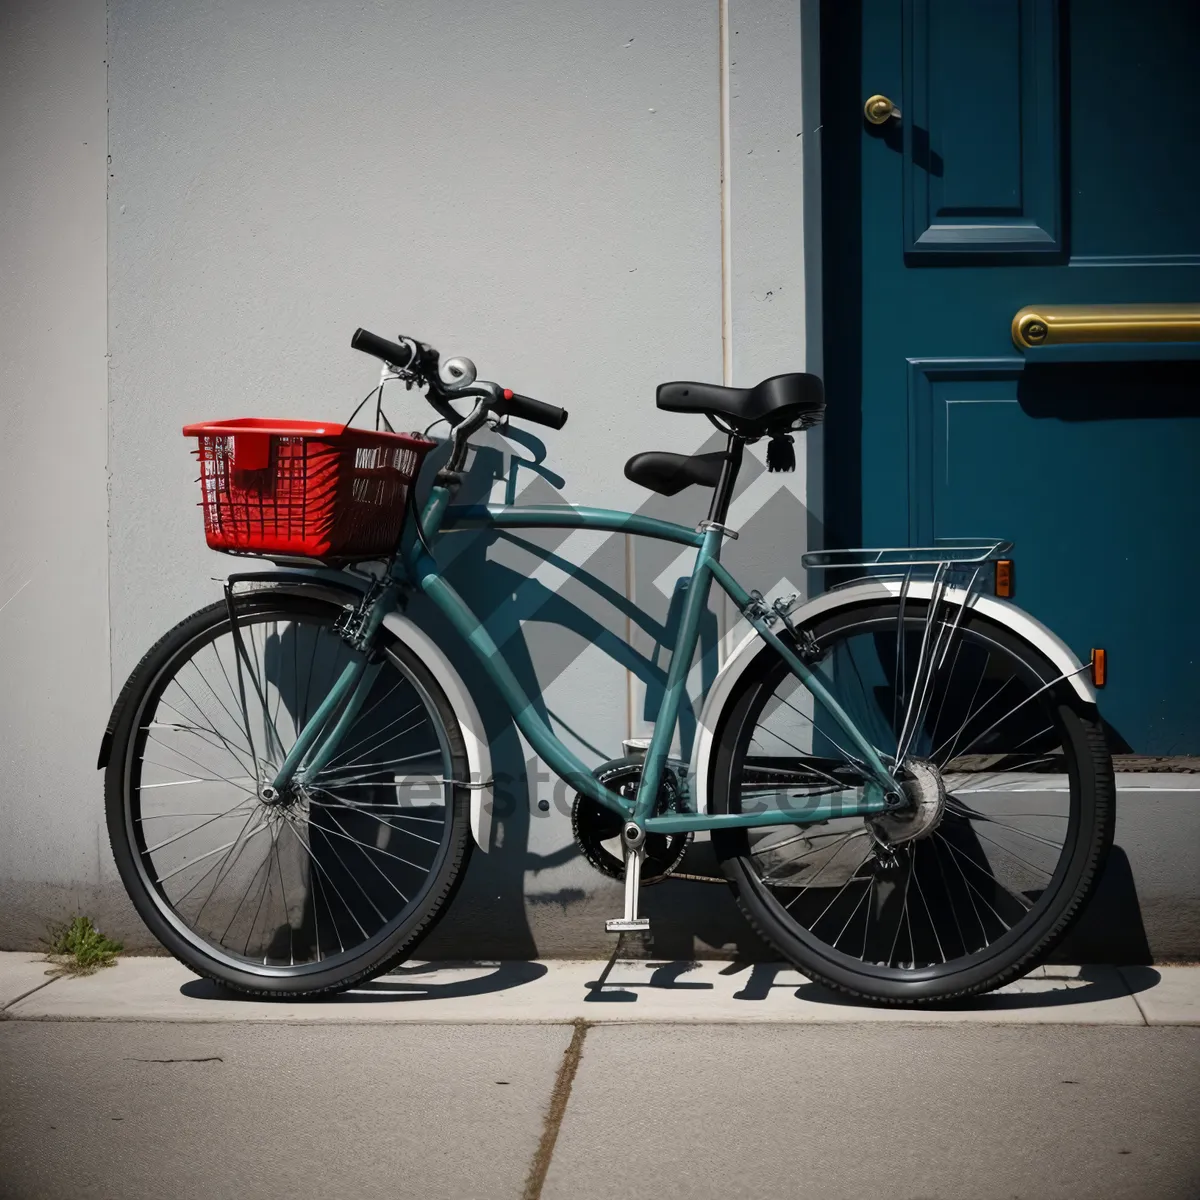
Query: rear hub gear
x=925, y=792
x=598, y=829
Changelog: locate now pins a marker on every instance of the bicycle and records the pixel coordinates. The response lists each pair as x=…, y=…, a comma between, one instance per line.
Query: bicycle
x=905, y=779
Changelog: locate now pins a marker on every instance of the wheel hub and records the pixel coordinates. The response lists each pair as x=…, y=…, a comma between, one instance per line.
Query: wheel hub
x=925, y=794
x=273, y=797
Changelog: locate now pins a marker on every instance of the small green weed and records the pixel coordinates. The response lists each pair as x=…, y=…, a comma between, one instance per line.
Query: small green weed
x=79, y=948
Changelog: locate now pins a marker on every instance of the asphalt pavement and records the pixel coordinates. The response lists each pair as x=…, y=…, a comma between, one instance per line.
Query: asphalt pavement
x=563, y=1080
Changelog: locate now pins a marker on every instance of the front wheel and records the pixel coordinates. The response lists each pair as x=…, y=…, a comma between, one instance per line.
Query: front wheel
x=295, y=894
x=1008, y=804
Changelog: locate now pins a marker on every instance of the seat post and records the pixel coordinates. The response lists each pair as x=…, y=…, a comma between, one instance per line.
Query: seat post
x=723, y=492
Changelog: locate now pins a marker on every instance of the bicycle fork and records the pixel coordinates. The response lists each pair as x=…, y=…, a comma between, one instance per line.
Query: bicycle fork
x=317, y=742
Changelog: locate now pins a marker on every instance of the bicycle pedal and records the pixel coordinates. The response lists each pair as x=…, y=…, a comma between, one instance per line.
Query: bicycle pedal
x=627, y=925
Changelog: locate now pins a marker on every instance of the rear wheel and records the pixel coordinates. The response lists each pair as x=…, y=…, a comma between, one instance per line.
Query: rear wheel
x=1008, y=813
x=302, y=893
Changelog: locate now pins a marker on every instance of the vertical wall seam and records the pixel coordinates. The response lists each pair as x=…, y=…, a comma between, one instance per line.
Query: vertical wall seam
x=724, y=617
x=726, y=196
x=112, y=691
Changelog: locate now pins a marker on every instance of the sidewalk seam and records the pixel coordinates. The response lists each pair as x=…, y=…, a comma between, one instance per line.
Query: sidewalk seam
x=24, y=995
x=1133, y=995
x=539, y=1166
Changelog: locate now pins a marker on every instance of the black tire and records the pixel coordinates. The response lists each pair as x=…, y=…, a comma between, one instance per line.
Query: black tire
x=380, y=950
x=983, y=965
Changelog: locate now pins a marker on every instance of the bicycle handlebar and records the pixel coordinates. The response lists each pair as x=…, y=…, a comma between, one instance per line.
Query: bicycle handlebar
x=392, y=353
x=504, y=401
x=529, y=409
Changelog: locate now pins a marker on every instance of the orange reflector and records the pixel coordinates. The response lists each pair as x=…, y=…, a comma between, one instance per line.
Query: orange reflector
x=1099, y=667
x=1004, y=577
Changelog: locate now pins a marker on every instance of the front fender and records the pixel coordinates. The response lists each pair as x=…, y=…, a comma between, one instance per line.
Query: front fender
x=1025, y=626
x=342, y=588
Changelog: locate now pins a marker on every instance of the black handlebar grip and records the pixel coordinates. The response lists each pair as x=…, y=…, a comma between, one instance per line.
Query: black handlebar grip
x=371, y=343
x=526, y=408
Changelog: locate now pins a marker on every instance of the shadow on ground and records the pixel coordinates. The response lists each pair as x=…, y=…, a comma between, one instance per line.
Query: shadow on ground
x=613, y=986
x=1089, y=985
x=404, y=983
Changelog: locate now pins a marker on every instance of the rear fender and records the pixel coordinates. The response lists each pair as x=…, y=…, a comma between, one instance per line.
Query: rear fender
x=1026, y=627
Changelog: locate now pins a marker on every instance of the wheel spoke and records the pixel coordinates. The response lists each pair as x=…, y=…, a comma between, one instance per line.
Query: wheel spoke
x=866, y=896
x=903, y=910
x=204, y=679
x=972, y=712
x=852, y=878
x=201, y=858
x=241, y=787
x=969, y=814
x=223, y=743
x=928, y=913
x=386, y=853
x=219, y=865
x=850, y=759
x=317, y=863
x=366, y=771
x=343, y=751
x=238, y=807
x=1017, y=707
x=819, y=871
x=376, y=817
x=1023, y=861
x=342, y=862
x=232, y=780
x=987, y=875
x=341, y=832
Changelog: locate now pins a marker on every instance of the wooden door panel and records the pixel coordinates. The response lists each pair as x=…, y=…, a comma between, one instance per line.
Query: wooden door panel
x=980, y=123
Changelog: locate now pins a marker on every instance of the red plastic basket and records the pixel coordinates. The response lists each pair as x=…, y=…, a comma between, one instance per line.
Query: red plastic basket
x=304, y=488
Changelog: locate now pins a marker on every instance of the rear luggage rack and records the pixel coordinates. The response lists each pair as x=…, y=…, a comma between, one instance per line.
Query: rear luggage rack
x=949, y=563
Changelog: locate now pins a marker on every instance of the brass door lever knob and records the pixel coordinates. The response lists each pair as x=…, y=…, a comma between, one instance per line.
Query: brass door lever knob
x=879, y=109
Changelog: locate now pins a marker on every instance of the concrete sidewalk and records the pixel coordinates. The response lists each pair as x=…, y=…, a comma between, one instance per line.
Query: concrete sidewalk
x=529, y=1081
x=559, y=992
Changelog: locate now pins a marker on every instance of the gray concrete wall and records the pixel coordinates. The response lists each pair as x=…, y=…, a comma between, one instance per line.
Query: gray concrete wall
x=542, y=187
x=54, y=662
x=537, y=186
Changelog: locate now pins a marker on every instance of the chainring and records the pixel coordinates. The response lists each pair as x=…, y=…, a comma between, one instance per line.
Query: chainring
x=597, y=829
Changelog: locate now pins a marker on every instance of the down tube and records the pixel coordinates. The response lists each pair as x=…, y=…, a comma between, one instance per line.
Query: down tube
x=539, y=735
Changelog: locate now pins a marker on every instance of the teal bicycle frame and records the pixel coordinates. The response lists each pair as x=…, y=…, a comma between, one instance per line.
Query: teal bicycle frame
x=417, y=567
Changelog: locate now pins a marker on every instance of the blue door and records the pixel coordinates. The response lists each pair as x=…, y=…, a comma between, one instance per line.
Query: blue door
x=1045, y=156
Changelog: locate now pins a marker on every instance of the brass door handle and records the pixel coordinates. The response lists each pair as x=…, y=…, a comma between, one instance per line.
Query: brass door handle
x=1075, y=324
x=879, y=109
